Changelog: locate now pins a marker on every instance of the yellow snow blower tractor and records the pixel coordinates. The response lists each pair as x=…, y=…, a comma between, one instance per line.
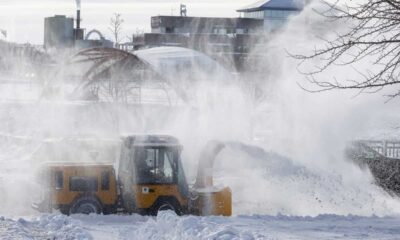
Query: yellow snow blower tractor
x=149, y=178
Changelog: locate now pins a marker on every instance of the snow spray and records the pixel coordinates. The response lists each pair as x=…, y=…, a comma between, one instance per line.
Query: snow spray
x=285, y=153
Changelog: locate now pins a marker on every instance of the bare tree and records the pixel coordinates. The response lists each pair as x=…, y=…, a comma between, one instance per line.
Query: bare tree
x=138, y=36
x=373, y=34
x=115, y=27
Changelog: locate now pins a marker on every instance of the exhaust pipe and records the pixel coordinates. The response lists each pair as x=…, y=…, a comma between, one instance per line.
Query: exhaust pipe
x=78, y=19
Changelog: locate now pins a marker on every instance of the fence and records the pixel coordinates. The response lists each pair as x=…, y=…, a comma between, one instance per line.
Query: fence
x=389, y=149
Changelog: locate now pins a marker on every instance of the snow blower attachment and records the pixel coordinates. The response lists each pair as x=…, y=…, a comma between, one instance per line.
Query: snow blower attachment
x=150, y=178
x=208, y=199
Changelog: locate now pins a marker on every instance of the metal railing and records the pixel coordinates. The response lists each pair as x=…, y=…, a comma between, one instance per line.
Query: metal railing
x=389, y=149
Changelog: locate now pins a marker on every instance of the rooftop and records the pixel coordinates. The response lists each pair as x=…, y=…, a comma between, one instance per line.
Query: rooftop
x=151, y=141
x=291, y=5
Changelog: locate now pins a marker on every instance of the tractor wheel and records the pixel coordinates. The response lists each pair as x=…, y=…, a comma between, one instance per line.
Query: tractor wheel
x=164, y=205
x=65, y=210
x=86, y=205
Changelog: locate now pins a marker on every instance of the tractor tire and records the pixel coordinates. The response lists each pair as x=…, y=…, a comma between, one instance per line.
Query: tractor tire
x=86, y=205
x=164, y=204
x=65, y=210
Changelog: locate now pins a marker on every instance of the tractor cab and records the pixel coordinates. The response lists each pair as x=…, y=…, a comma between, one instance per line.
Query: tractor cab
x=151, y=175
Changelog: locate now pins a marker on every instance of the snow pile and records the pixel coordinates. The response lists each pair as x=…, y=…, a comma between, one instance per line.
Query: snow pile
x=62, y=227
x=43, y=227
x=267, y=183
x=167, y=225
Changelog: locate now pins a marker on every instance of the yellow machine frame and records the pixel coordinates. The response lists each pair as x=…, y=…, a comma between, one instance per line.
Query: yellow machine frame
x=90, y=187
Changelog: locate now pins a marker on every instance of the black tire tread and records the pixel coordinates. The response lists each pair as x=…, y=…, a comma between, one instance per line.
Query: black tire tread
x=86, y=199
x=166, y=200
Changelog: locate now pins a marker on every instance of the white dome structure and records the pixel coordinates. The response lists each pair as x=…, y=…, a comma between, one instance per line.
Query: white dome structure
x=108, y=73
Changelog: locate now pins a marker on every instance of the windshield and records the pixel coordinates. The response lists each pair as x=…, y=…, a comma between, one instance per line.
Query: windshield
x=156, y=165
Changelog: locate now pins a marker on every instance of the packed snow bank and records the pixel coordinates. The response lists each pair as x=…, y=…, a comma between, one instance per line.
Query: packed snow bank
x=169, y=226
x=43, y=227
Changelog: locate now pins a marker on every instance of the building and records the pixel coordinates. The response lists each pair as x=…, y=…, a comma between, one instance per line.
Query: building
x=58, y=32
x=227, y=40
x=275, y=13
x=204, y=25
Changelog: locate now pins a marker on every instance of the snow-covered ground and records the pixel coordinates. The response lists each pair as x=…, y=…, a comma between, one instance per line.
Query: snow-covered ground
x=169, y=226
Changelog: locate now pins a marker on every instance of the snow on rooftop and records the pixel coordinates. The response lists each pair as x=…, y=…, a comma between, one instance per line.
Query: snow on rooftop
x=176, y=62
x=274, y=4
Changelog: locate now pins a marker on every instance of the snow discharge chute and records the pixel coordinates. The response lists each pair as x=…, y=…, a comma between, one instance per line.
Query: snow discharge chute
x=214, y=200
x=206, y=164
x=208, y=199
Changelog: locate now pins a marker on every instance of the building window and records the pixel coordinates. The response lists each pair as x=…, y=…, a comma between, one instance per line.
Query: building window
x=169, y=30
x=278, y=14
x=105, y=180
x=242, y=31
x=59, y=177
x=281, y=14
x=83, y=184
x=257, y=14
x=221, y=30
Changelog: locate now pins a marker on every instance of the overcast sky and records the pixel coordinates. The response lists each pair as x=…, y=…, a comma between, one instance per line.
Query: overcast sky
x=24, y=19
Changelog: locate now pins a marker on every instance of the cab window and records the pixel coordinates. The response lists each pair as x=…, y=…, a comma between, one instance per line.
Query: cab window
x=155, y=166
